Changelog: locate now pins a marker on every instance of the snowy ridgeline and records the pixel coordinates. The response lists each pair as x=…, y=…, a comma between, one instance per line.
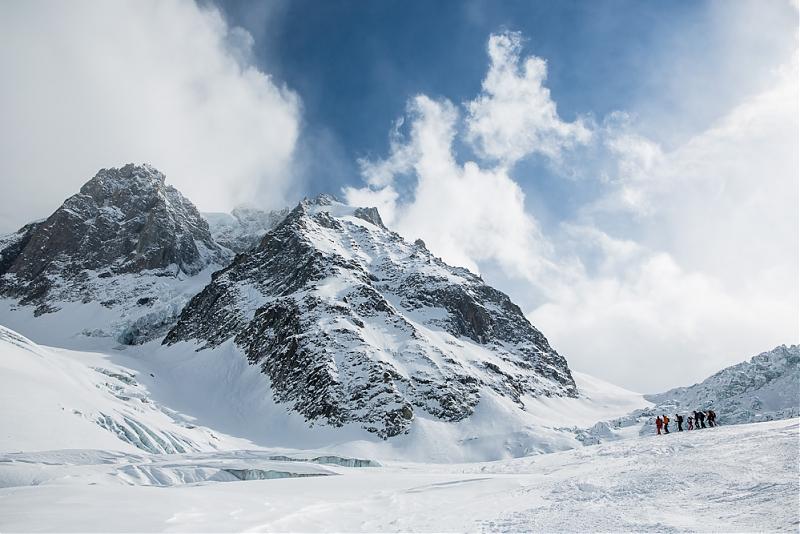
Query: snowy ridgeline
x=740, y=478
x=763, y=389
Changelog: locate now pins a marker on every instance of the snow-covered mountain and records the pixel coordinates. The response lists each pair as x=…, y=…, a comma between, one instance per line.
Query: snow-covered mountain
x=353, y=324
x=121, y=258
x=764, y=388
x=242, y=228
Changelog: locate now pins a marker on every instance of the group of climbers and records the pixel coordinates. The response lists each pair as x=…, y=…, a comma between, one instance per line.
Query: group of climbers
x=696, y=421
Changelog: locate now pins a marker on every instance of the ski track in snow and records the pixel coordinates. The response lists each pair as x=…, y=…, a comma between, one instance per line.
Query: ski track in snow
x=737, y=478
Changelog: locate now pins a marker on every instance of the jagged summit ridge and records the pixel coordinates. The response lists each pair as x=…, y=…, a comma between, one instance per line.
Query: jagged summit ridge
x=354, y=325
x=123, y=222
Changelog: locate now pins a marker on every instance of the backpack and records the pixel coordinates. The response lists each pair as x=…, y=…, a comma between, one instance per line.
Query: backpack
x=680, y=419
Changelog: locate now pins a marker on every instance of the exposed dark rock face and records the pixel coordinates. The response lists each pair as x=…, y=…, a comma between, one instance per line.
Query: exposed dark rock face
x=354, y=325
x=12, y=245
x=123, y=221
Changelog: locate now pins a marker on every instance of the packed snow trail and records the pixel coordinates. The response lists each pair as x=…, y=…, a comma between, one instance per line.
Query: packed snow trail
x=737, y=478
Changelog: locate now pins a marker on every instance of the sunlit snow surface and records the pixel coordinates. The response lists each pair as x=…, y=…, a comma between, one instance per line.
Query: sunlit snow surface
x=155, y=439
x=739, y=478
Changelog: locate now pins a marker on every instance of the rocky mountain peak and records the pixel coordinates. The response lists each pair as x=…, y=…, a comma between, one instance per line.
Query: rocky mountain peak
x=321, y=200
x=123, y=220
x=114, y=185
x=353, y=325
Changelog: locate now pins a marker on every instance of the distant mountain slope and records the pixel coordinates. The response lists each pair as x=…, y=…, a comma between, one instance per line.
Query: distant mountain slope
x=242, y=228
x=126, y=242
x=765, y=388
x=354, y=325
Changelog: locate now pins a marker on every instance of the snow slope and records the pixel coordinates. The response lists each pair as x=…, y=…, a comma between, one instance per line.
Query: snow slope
x=740, y=478
x=167, y=390
x=53, y=399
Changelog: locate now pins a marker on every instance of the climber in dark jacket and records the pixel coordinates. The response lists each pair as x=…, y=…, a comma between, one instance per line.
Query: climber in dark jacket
x=712, y=418
x=679, y=420
x=700, y=420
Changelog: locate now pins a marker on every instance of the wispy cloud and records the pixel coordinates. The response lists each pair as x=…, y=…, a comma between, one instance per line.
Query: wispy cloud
x=514, y=116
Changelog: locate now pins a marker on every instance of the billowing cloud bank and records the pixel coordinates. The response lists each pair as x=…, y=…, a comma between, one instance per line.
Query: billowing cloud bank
x=94, y=84
x=687, y=259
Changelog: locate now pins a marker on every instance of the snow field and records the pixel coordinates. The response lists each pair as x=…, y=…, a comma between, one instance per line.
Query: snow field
x=732, y=479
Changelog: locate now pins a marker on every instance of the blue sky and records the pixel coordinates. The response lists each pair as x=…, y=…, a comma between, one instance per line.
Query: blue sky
x=626, y=171
x=356, y=64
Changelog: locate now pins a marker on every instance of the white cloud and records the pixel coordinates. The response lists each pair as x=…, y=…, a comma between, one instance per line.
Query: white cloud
x=687, y=260
x=459, y=210
x=98, y=84
x=515, y=116
x=642, y=320
x=715, y=278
